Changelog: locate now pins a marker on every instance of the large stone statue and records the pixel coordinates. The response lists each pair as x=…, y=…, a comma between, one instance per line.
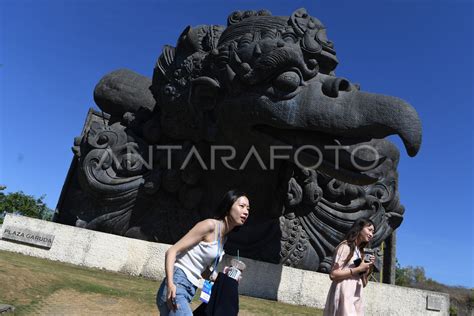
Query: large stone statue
x=257, y=106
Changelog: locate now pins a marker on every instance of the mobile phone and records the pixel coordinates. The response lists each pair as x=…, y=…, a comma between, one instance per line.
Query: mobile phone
x=357, y=262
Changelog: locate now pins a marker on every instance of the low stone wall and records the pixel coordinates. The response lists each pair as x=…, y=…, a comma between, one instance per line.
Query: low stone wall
x=89, y=248
x=264, y=280
x=300, y=287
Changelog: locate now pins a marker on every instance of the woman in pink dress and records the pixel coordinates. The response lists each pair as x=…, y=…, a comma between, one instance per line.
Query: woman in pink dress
x=348, y=278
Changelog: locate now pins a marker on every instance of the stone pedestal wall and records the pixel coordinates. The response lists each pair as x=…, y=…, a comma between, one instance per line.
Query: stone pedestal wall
x=264, y=280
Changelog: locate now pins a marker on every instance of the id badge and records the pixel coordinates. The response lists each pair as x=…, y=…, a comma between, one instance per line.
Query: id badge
x=206, y=291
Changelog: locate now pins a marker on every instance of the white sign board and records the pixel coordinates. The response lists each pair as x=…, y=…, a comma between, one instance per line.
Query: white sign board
x=27, y=236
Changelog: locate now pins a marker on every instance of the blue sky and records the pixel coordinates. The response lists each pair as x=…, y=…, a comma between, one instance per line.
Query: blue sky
x=52, y=53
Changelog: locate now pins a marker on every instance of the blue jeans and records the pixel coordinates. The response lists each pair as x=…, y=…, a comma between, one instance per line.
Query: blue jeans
x=185, y=291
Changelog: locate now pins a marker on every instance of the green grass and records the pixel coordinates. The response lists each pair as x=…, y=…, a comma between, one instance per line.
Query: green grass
x=27, y=280
x=34, y=286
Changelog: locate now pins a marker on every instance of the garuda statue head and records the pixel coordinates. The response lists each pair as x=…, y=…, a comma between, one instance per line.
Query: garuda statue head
x=263, y=82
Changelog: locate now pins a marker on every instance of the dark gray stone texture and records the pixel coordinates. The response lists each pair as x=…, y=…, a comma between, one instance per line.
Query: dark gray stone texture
x=259, y=82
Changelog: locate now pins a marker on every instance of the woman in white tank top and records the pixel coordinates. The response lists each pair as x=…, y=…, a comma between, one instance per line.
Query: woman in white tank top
x=186, y=260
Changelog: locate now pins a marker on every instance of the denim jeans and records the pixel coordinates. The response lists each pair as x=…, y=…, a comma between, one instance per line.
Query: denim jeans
x=185, y=291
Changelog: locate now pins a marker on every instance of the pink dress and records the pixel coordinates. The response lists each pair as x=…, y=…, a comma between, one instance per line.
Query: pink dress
x=345, y=296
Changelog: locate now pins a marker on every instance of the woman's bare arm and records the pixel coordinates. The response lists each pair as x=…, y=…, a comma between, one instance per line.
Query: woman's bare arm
x=338, y=273
x=365, y=276
x=193, y=237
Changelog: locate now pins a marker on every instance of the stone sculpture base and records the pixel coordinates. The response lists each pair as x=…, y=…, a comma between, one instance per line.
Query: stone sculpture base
x=263, y=280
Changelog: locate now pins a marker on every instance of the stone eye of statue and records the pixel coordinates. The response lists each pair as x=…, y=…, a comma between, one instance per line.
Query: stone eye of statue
x=287, y=81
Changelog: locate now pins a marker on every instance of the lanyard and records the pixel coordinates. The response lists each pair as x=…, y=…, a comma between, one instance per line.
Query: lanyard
x=357, y=251
x=218, y=247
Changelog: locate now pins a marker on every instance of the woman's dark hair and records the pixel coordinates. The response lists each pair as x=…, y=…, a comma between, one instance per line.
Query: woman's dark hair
x=226, y=203
x=353, y=233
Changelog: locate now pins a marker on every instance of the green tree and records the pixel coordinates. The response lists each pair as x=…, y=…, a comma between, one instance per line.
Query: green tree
x=419, y=275
x=402, y=276
x=23, y=204
x=409, y=276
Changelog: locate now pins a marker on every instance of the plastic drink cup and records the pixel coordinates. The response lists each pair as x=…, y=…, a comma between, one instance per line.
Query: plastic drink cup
x=235, y=269
x=238, y=264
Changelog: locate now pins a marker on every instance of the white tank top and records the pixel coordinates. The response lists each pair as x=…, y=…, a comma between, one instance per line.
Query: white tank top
x=194, y=261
